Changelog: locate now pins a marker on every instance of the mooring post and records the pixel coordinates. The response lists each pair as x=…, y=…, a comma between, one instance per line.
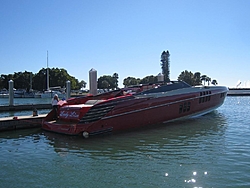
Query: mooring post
x=11, y=93
x=68, y=89
x=35, y=113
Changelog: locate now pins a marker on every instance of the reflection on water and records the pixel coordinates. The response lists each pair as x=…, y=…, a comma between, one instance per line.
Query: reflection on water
x=175, y=134
x=209, y=151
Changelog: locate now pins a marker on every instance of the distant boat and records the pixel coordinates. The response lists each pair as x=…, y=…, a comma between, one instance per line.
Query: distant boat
x=22, y=93
x=18, y=93
x=50, y=91
x=4, y=93
x=49, y=94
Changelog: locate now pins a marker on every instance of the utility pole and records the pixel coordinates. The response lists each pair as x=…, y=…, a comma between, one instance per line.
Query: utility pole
x=47, y=70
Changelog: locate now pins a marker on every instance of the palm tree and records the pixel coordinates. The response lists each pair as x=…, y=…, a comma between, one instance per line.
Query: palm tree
x=115, y=77
x=208, y=80
x=204, y=78
x=214, y=82
x=197, y=78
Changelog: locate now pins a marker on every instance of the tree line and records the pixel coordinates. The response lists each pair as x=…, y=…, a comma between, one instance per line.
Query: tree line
x=58, y=77
x=38, y=81
x=196, y=78
x=193, y=79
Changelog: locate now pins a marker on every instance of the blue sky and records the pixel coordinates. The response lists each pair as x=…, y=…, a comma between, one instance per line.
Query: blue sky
x=127, y=37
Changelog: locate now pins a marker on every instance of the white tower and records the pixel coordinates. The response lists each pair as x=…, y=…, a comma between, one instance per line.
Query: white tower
x=93, y=82
x=160, y=77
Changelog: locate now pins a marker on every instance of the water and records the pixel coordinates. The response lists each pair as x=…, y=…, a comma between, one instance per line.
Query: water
x=20, y=101
x=209, y=151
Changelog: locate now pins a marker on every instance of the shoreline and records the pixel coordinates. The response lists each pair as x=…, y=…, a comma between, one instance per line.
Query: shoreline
x=238, y=92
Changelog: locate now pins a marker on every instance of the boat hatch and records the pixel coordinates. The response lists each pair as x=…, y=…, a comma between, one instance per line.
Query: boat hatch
x=93, y=102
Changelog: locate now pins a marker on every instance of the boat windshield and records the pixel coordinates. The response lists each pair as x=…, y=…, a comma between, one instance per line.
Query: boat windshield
x=173, y=85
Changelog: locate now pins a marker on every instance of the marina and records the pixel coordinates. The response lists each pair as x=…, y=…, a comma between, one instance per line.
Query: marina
x=176, y=111
x=33, y=110
x=209, y=151
x=195, y=152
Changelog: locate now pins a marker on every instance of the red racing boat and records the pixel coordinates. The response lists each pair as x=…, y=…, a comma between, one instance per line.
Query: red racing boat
x=115, y=111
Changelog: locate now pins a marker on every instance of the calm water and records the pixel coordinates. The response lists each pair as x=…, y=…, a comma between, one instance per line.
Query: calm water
x=209, y=151
x=18, y=101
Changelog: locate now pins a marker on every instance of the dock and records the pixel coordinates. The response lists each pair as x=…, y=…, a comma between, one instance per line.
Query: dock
x=21, y=122
x=22, y=107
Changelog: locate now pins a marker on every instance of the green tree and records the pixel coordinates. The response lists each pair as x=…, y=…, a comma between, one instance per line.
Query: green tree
x=82, y=84
x=194, y=79
x=23, y=80
x=39, y=80
x=59, y=77
x=208, y=80
x=106, y=82
x=187, y=76
x=197, y=78
x=4, y=80
x=115, y=77
x=204, y=79
x=130, y=81
x=214, y=82
x=149, y=79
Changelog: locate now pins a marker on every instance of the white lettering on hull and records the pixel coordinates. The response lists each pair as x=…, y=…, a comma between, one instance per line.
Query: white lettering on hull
x=69, y=114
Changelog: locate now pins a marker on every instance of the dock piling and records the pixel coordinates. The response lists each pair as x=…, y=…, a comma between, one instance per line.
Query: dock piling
x=11, y=93
x=68, y=86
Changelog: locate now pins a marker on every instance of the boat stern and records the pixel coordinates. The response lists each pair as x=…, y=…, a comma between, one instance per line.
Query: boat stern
x=68, y=119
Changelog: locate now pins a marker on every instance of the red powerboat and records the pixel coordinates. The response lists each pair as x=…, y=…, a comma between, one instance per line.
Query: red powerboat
x=120, y=110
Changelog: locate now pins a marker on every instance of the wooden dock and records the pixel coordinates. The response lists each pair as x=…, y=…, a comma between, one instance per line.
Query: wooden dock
x=25, y=107
x=21, y=122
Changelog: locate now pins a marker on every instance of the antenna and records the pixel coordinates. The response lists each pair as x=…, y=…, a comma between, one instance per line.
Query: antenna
x=47, y=70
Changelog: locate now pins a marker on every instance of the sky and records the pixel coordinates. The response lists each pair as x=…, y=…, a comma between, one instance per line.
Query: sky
x=127, y=37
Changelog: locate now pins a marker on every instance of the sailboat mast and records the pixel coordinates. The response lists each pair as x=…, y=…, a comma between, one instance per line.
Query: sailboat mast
x=30, y=81
x=47, y=70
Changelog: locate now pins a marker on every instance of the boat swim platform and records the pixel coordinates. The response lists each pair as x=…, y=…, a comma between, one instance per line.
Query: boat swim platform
x=21, y=122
